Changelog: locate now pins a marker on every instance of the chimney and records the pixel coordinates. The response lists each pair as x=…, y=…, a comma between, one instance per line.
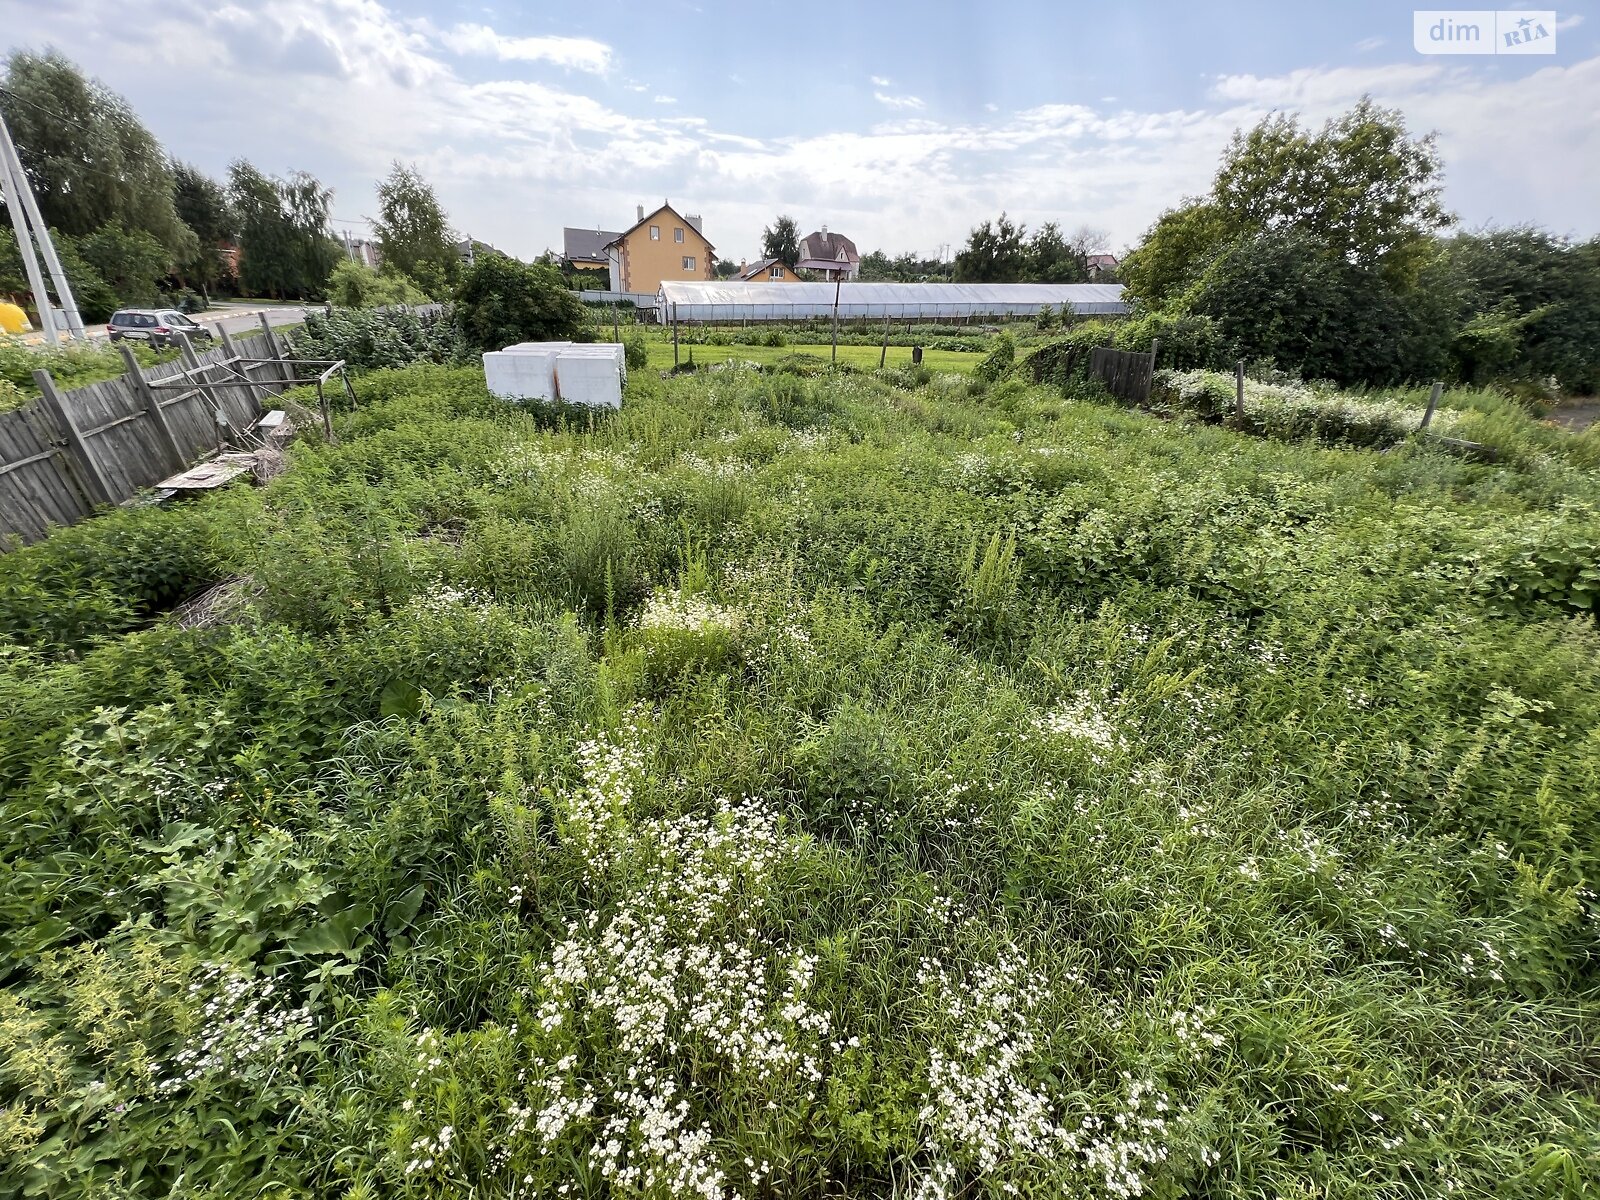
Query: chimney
x=640, y=217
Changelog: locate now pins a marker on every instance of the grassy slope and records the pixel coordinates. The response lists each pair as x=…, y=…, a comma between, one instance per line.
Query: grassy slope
x=985, y=790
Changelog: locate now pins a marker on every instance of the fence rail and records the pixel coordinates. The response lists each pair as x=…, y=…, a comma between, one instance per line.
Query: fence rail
x=70, y=452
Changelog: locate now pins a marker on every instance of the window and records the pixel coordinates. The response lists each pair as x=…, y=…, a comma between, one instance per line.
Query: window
x=677, y=235
x=776, y=272
x=655, y=233
x=688, y=262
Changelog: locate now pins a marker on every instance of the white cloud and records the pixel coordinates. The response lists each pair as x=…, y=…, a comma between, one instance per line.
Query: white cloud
x=1571, y=22
x=579, y=54
x=664, y=100
x=889, y=101
x=1367, y=45
x=342, y=87
x=879, y=81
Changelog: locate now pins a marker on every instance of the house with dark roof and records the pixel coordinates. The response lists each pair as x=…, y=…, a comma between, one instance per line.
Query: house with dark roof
x=768, y=270
x=830, y=255
x=585, y=249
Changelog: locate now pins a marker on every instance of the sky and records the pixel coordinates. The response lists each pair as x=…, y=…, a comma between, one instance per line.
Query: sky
x=898, y=124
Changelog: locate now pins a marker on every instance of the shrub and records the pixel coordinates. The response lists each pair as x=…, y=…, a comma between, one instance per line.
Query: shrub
x=635, y=352
x=366, y=337
x=356, y=285
x=501, y=302
x=1002, y=354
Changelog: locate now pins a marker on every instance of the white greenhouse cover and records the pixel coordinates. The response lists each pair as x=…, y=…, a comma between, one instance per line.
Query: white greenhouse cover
x=734, y=301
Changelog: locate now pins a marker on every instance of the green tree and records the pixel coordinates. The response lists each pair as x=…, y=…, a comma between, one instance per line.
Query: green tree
x=413, y=232
x=1521, y=303
x=501, y=302
x=1174, y=252
x=1362, y=186
x=202, y=205
x=781, y=240
x=132, y=263
x=1052, y=257
x=90, y=160
x=994, y=253
x=285, y=250
x=1279, y=295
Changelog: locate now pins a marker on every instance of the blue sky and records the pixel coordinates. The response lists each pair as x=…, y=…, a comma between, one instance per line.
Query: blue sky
x=899, y=124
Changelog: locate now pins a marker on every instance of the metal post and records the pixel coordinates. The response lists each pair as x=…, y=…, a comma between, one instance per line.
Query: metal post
x=616, y=333
x=97, y=485
x=1433, y=403
x=1238, y=390
x=883, y=355
x=69, y=306
x=152, y=407
x=674, y=333
x=836, y=284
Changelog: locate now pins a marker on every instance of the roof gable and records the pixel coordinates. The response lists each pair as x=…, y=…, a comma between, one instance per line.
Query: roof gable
x=828, y=247
x=755, y=269
x=665, y=208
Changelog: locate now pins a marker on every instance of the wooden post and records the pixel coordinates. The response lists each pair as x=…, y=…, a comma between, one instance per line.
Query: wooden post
x=1433, y=403
x=674, y=333
x=201, y=377
x=1238, y=391
x=95, y=483
x=616, y=333
x=883, y=355
x=272, y=347
x=152, y=408
x=836, y=284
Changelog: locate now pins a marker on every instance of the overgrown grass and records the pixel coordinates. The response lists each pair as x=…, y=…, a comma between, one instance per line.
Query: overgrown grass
x=71, y=365
x=874, y=784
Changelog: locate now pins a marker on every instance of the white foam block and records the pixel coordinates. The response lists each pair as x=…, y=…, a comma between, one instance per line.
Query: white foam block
x=520, y=376
x=585, y=377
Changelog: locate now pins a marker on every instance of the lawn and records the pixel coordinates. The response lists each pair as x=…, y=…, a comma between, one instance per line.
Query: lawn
x=861, y=357
x=823, y=787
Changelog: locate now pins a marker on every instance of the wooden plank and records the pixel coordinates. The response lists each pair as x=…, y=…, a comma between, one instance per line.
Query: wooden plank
x=147, y=400
x=96, y=487
x=209, y=475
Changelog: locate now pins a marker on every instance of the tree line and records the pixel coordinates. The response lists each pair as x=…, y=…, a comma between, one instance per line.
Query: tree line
x=135, y=226
x=1327, y=252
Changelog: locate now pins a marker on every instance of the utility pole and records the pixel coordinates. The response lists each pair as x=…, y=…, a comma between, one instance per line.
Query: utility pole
x=24, y=211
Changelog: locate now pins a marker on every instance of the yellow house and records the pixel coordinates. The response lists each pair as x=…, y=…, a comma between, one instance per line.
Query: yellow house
x=768, y=270
x=664, y=245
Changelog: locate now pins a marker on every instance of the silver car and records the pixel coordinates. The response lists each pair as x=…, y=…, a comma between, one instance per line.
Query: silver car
x=155, y=326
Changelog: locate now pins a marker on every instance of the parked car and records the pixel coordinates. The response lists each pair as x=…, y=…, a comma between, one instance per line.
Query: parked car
x=155, y=326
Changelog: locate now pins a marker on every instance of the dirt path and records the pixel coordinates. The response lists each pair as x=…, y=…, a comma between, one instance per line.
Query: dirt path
x=1578, y=415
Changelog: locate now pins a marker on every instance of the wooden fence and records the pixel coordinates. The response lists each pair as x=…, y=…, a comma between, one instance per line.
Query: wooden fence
x=1125, y=373
x=70, y=452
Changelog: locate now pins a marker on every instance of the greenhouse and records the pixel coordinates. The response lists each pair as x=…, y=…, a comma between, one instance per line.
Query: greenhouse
x=732, y=301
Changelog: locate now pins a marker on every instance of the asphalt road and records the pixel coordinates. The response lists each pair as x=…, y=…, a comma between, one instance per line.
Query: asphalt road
x=236, y=316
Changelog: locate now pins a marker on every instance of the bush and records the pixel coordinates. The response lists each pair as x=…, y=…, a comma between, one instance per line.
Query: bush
x=373, y=338
x=635, y=352
x=1002, y=354
x=501, y=302
x=356, y=285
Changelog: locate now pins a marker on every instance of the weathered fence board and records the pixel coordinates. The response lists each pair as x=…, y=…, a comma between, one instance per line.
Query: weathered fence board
x=1125, y=373
x=44, y=482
